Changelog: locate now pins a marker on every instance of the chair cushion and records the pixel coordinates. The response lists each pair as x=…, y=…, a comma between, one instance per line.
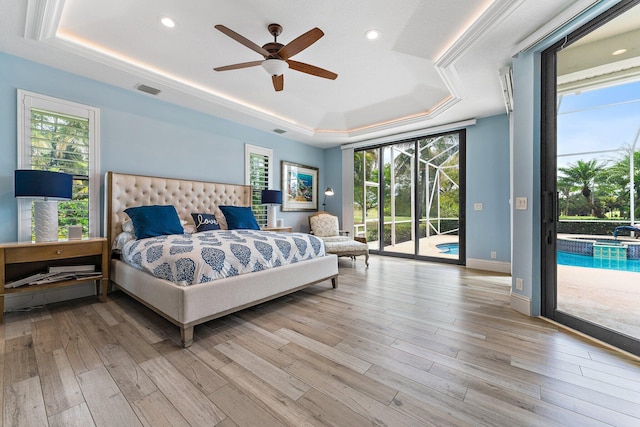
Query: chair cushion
x=324, y=225
x=346, y=247
x=336, y=239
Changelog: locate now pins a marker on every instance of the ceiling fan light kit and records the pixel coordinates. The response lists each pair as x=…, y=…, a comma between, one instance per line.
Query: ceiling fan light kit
x=276, y=55
x=274, y=67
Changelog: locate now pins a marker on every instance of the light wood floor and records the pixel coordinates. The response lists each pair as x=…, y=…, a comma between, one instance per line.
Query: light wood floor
x=401, y=343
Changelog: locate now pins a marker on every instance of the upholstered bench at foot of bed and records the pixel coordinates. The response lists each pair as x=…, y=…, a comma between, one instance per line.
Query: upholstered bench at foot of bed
x=345, y=246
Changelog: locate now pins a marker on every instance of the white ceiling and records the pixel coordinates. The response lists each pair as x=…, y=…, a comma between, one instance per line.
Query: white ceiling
x=436, y=61
x=590, y=62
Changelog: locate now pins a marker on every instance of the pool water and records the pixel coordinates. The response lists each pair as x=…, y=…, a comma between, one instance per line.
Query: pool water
x=448, y=248
x=567, y=258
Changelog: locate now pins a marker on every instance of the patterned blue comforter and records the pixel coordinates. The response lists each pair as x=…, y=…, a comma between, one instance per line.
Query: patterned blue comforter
x=186, y=259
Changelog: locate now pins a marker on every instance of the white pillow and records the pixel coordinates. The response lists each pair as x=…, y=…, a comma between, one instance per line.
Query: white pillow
x=127, y=226
x=122, y=239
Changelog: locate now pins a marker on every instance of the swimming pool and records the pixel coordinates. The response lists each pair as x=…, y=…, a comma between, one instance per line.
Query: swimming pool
x=448, y=248
x=576, y=260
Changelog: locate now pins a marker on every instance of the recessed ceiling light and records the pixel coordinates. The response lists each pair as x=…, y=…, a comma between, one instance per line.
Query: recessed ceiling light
x=619, y=52
x=167, y=22
x=372, y=34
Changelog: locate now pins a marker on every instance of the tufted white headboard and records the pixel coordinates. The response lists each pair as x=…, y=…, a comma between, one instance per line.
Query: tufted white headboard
x=123, y=191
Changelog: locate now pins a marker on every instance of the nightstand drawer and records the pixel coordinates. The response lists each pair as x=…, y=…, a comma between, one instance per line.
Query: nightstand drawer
x=52, y=251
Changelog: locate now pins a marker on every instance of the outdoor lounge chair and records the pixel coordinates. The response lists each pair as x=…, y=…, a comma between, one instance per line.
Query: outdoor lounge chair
x=630, y=228
x=325, y=226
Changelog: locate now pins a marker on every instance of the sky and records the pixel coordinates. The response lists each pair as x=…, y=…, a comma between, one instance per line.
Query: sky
x=596, y=120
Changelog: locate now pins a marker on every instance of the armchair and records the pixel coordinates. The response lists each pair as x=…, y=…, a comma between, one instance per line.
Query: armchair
x=325, y=226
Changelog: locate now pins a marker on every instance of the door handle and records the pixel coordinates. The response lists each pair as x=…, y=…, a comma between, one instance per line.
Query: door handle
x=548, y=207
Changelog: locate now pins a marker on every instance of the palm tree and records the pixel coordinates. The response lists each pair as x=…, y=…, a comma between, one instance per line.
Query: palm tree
x=618, y=176
x=584, y=174
x=565, y=187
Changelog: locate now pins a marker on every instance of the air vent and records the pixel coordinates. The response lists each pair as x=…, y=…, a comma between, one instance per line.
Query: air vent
x=148, y=89
x=279, y=131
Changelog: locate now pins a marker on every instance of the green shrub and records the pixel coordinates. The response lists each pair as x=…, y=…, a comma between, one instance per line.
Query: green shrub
x=602, y=228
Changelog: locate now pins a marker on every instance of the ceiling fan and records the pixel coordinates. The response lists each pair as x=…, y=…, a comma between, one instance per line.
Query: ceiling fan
x=276, y=55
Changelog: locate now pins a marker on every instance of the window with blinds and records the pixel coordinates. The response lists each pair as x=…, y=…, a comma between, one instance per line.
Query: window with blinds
x=61, y=136
x=60, y=143
x=258, y=170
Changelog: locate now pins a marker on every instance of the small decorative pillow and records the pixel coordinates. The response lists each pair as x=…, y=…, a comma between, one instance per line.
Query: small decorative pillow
x=205, y=222
x=156, y=220
x=240, y=217
x=121, y=239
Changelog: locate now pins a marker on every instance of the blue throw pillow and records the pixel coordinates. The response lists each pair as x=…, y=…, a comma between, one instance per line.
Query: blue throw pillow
x=240, y=217
x=152, y=221
x=205, y=222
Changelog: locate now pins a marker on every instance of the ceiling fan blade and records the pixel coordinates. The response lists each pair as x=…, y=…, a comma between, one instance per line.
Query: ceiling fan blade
x=311, y=69
x=278, y=82
x=243, y=40
x=299, y=44
x=238, y=66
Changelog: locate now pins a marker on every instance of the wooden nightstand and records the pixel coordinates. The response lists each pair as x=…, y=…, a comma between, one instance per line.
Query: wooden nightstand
x=280, y=229
x=20, y=260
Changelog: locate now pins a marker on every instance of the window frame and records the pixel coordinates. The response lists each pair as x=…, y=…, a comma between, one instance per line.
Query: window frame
x=26, y=101
x=260, y=151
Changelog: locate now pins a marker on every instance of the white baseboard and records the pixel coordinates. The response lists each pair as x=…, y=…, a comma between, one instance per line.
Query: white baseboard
x=520, y=303
x=34, y=299
x=488, y=265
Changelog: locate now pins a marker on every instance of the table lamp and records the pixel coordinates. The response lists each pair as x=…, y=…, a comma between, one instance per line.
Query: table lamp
x=271, y=198
x=47, y=187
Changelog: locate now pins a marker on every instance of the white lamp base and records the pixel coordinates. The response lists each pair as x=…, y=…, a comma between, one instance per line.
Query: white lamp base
x=45, y=214
x=271, y=216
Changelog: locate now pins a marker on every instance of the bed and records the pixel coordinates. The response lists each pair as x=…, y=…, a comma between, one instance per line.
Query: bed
x=188, y=306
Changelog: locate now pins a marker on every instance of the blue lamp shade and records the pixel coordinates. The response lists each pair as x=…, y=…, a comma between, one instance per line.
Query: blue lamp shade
x=271, y=197
x=48, y=185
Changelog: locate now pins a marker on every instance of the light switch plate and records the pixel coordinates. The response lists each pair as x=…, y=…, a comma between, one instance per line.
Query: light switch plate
x=521, y=203
x=477, y=206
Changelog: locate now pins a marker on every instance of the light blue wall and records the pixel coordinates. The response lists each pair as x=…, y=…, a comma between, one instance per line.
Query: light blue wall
x=526, y=159
x=333, y=179
x=143, y=135
x=488, y=183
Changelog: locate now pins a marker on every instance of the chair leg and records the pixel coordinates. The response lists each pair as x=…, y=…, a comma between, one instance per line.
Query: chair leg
x=366, y=259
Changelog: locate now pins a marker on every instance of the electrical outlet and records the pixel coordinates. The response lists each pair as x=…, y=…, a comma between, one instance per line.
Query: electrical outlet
x=477, y=206
x=521, y=203
x=494, y=255
x=519, y=285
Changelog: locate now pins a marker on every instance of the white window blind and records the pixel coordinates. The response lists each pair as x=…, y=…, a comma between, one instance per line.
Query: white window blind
x=60, y=136
x=258, y=172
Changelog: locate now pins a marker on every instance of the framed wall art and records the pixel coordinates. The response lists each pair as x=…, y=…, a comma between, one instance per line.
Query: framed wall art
x=299, y=187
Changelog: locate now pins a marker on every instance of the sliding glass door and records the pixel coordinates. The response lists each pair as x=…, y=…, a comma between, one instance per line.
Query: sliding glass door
x=413, y=192
x=591, y=178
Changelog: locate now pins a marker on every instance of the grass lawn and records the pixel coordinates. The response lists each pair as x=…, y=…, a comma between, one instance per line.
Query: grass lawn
x=589, y=218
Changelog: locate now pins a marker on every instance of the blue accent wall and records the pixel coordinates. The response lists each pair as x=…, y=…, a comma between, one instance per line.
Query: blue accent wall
x=333, y=179
x=142, y=135
x=488, y=182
